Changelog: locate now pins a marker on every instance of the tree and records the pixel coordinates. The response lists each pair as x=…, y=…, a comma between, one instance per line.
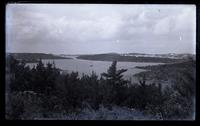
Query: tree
x=91, y=90
x=19, y=75
x=72, y=90
x=116, y=83
x=142, y=93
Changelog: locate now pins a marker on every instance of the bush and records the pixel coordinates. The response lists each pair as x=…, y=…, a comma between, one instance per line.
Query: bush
x=23, y=105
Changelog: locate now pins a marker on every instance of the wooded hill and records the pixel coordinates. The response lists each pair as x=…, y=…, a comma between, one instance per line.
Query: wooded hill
x=34, y=57
x=117, y=57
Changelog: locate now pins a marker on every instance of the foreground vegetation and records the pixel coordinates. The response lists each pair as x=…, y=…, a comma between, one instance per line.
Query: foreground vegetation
x=44, y=93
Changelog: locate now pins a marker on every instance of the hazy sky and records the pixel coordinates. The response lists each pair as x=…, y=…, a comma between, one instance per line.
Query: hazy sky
x=90, y=28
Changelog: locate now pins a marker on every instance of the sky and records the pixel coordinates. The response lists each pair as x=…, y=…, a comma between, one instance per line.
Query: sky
x=103, y=28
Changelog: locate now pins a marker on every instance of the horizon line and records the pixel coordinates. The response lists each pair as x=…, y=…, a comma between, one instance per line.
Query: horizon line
x=100, y=53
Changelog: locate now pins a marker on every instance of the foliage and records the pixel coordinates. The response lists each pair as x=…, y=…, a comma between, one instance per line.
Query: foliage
x=116, y=83
x=43, y=90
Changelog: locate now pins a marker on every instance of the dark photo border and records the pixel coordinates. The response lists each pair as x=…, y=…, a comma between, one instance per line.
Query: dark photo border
x=2, y=75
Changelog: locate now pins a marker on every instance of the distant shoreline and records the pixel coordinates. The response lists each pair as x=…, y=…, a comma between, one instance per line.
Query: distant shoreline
x=120, y=58
x=131, y=57
x=34, y=57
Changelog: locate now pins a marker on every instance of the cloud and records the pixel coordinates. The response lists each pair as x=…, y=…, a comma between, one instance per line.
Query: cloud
x=182, y=22
x=164, y=26
x=99, y=28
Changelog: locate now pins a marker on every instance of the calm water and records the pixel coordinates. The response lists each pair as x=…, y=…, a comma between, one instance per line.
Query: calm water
x=87, y=66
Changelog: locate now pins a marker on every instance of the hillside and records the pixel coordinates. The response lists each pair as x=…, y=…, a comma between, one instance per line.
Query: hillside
x=34, y=57
x=168, y=55
x=128, y=58
x=168, y=73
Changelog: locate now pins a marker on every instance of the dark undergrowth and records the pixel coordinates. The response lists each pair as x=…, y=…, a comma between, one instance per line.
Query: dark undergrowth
x=42, y=90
